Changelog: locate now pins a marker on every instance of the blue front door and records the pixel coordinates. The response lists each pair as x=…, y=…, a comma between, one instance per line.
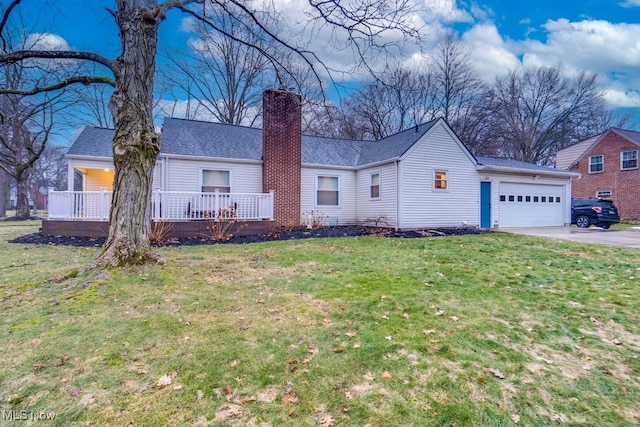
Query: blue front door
x=485, y=205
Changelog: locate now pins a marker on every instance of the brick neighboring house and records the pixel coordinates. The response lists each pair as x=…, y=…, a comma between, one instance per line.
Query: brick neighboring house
x=609, y=166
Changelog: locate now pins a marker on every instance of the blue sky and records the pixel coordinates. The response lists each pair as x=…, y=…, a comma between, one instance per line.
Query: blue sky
x=602, y=36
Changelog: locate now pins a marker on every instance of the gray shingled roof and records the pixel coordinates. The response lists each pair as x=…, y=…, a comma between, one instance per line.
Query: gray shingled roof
x=207, y=139
x=94, y=142
x=217, y=140
x=632, y=135
x=514, y=164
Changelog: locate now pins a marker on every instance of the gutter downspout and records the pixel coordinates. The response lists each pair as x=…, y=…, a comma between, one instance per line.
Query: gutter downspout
x=397, y=194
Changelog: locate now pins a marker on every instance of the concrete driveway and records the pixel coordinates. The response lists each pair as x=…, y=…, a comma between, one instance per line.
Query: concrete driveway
x=612, y=237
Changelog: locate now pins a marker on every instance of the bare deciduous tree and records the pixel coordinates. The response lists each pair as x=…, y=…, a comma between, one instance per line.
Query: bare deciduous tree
x=50, y=170
x=220, y=76
x=136, y=144
x=25, y=127
x=537, y=111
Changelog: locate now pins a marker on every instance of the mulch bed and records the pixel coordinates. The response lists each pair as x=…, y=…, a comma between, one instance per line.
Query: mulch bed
x=324, y=232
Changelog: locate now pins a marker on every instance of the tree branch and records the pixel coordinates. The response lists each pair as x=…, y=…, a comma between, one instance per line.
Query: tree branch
x=5, y=18
x=86, y=80
x=12, y=57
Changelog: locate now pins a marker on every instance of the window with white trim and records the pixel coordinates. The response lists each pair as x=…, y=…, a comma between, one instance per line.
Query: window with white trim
x=629, y=159
x=328, y=191
x=213, y=180
x=440, y=180
x=604, y=194
x=374, y=191
x=596, y=163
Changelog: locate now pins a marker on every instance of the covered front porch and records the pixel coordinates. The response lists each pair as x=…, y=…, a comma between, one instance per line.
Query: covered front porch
x=185, y=214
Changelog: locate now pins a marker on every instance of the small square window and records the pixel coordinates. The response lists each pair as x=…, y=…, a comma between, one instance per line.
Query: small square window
x=527, y=198
x=512, y=198
x=520, y=198
x=550, y=199
x=543, y=199
x=535, y=199
x=558, y=199
x=596, y=163
x=629, y=159
x=440, y=180
x=503, y=198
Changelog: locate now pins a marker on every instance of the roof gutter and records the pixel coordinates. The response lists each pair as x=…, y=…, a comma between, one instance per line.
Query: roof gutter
x=552, y=173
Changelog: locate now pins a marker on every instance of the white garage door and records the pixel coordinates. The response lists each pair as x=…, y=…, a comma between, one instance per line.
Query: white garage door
x=524, y=205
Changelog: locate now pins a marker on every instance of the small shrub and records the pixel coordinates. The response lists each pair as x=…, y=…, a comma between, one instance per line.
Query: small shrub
x=314, y=219
x=221, y=226
x=379, y=223
x=160, y=231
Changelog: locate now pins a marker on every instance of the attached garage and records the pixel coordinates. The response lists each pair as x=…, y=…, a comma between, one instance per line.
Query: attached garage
x=524, y=205
x=520, y=194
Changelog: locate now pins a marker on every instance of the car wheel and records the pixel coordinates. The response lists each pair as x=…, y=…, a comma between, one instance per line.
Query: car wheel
x=583, y=221
x=605, y=226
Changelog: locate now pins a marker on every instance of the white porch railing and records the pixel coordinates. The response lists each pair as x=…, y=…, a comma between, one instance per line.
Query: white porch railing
x=165, y=205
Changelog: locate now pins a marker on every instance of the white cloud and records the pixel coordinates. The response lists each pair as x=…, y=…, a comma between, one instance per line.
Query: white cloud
x=611, y=50
x=45, y=41
x=630, y=3
x=490, y=53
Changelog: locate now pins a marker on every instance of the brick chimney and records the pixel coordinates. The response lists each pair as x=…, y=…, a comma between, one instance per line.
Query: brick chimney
x=282, y=153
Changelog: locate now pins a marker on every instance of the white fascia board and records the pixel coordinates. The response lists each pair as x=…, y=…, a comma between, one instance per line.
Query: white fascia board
x=380, y=163
x=321, y=166
x=558, y=173
x=209, y=159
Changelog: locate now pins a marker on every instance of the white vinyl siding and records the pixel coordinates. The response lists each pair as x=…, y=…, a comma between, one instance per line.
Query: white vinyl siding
x=186, y=175
x=383, y=207
x=345, y=212
x=424, y=206
x=97, y=179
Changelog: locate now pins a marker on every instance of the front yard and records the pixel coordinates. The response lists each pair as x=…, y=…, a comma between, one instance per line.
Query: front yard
x=490, y=329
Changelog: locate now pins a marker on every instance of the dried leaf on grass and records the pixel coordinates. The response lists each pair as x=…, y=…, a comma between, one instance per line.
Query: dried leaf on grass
x=326, y=420
x=228, y=411
x=495, y=373
x=289, y=396
x=163, y=381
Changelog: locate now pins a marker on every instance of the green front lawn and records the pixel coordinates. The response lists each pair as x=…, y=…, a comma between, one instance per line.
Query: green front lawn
x=493, y=329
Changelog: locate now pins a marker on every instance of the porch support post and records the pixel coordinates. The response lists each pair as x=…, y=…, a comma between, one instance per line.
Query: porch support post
x=103, y=204
x=70, y=175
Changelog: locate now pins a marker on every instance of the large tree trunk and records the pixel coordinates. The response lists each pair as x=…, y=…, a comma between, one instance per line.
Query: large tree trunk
x=4, y=193
x=22, y=196
x=136, y=144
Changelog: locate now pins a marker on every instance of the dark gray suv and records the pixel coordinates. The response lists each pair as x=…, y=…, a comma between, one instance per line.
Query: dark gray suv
x=598, y=212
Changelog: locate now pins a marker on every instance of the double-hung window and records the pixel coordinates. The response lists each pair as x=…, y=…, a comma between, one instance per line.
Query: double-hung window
x=596, y=163
x=374, y=191
x=629, y=159
x=213, y=180
x=327, y=193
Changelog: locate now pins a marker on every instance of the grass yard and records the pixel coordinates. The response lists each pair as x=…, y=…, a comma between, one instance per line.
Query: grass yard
x=494, y=330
